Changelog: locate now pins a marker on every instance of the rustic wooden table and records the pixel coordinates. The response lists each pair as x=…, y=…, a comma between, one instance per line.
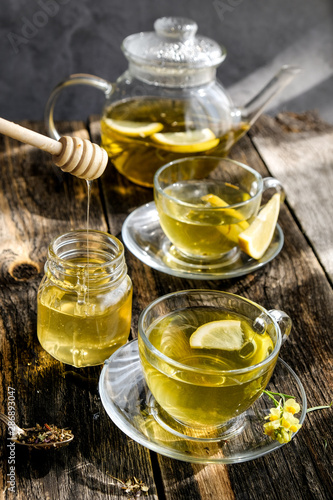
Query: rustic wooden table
x=38, y=202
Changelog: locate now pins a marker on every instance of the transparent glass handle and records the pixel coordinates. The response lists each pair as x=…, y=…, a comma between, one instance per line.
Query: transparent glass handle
x=284, y=322
x=272, y=183
x=77, y=79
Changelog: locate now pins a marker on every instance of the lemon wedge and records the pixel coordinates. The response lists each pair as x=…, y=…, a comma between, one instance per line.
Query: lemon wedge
x=224, y=334
x=133, y=129
x=257, y=237
x=190, y=141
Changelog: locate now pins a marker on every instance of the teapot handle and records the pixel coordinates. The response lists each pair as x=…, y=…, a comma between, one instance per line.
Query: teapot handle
x=77, y=79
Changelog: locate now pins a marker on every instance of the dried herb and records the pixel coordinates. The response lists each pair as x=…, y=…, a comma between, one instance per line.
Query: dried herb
x=133, y=486
x=44, y=434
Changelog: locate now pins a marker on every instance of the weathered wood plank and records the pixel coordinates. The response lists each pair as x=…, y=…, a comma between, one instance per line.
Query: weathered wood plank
x=38, y=202
x=33, y=211
x=298, y=150
x=293, y=282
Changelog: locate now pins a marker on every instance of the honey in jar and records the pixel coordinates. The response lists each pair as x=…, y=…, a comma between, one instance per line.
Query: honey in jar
x=85, y=298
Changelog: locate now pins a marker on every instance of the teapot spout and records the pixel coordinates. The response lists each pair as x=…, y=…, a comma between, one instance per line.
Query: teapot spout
x=253, y=109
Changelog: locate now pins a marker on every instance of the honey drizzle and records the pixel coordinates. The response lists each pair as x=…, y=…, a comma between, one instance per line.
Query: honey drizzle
x=89, y=183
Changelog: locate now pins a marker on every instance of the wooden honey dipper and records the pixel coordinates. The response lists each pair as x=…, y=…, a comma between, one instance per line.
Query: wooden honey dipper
x=77, y=156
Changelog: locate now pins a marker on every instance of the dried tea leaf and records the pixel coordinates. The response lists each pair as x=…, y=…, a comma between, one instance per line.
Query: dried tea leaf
x=133, y=486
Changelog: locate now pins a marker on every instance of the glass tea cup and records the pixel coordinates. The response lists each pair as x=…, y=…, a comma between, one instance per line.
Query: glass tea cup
x=200, y=392
x=204, y=203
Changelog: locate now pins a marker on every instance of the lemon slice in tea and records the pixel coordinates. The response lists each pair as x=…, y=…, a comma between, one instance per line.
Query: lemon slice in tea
x=133, y=129
x=255, y=240
x=190, y=141
x=216, y=201
x=230, y=231
x=223, y=334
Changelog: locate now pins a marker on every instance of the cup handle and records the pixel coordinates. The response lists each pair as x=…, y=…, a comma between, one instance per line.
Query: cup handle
x=77, y=79
x=272, y=183
x=284, y=322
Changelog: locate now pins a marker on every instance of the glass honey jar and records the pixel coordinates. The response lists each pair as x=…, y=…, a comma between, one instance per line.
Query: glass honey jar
x=84, y=302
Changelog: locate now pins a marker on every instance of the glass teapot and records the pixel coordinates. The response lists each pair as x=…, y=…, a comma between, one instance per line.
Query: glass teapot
x=168, y=104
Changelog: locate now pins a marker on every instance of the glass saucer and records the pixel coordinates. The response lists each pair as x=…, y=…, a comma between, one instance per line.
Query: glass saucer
x=143, y=236
x=130, y=405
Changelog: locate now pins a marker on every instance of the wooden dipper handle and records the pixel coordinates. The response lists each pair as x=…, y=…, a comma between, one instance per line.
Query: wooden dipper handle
x=78, y=156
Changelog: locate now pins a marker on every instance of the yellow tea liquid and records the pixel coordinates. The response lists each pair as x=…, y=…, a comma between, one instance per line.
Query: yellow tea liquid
x=202, y=233
x=81, y=326
x=208, y=398
x=138, y=157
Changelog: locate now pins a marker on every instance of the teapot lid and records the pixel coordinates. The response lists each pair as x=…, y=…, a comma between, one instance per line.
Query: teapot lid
x=173, y=50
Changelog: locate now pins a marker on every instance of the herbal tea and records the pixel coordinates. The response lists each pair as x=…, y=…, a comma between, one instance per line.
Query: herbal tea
x=77, y=323
x=205, y=395
x=203, y=230
x=142, y=134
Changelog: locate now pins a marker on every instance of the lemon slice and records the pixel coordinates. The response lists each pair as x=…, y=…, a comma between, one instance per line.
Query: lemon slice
x=230, y=231
x=190, y=141
x=216, y=201
x=133, y=129
x=224, y=334
x=257, y=237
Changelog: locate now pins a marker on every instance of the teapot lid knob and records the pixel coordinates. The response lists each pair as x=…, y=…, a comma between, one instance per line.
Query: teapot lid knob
x=179, y=28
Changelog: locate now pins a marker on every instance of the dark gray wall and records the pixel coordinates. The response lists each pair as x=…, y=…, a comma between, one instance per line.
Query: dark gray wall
x=43, y=41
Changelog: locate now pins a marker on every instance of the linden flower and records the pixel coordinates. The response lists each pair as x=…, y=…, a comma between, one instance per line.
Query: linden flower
x=275, y=414
x=277, y=432
x=290, y=422
x=291, y=406
x=282, y=423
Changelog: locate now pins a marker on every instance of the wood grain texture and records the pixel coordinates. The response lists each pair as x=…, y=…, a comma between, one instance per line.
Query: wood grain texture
x=37, y=203
x=295, y=283
x=299, y=151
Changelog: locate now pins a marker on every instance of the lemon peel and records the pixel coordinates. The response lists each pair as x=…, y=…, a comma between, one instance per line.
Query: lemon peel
x=255, y=240
x=223, y=334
